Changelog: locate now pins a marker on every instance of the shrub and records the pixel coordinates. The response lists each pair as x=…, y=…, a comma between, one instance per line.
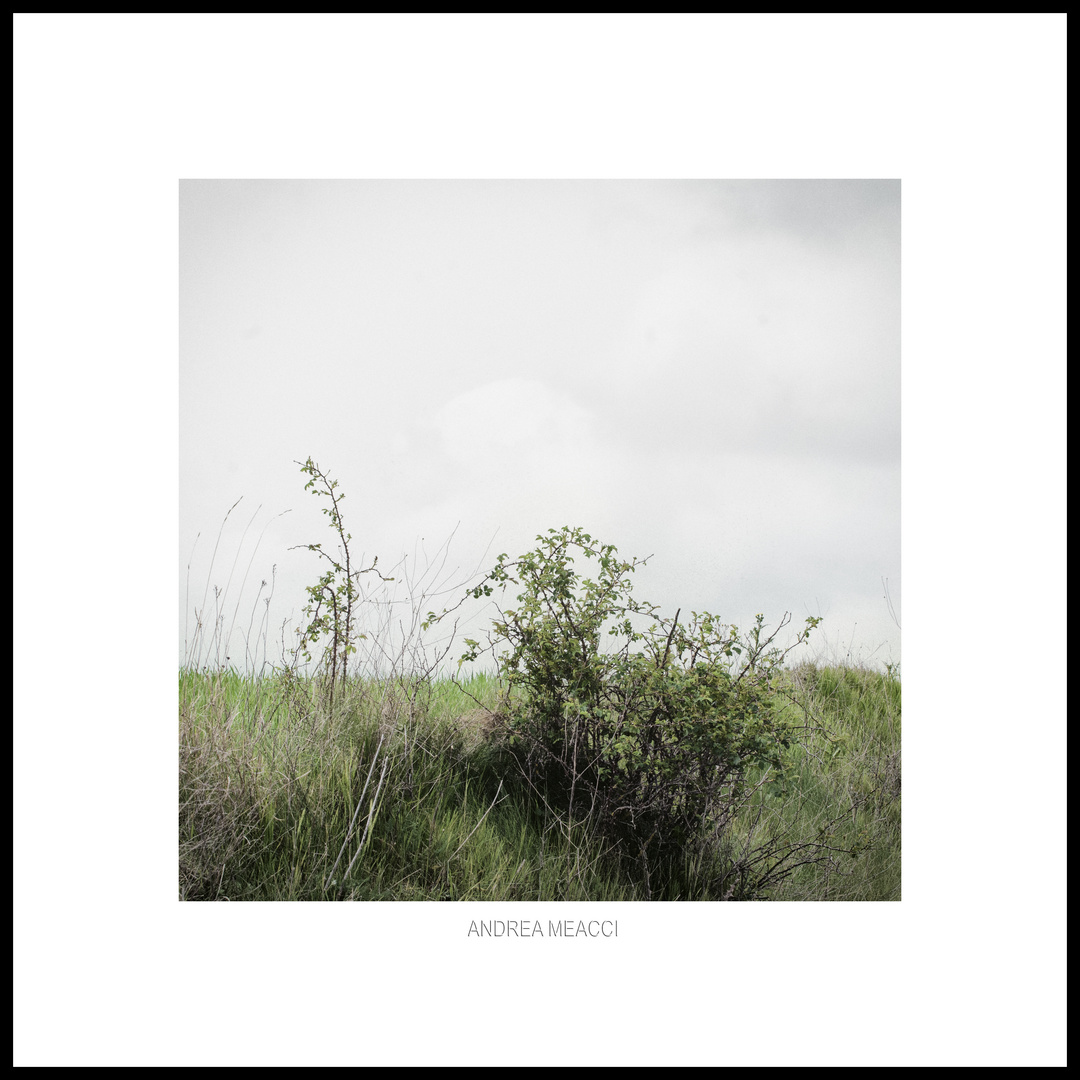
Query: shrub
x=653, y=740
x=333, y=601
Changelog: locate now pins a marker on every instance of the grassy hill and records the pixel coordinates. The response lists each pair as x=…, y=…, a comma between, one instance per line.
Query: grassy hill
x=413, y=789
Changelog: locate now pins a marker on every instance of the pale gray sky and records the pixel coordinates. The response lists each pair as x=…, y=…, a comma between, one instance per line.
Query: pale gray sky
x=707, y=372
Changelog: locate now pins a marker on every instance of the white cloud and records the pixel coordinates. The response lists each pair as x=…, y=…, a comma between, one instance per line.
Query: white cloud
x=520, y=418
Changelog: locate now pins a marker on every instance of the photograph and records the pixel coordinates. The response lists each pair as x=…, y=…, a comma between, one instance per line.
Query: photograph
x=480, y=483
x=540, y=540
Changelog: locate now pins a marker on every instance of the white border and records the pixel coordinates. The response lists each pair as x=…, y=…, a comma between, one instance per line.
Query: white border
x=112, y=110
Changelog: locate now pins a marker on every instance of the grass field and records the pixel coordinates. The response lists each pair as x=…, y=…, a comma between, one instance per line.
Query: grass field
x=690, y=763
x=409, y=789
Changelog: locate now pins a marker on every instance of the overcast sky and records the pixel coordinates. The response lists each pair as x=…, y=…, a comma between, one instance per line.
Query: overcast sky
x=704, y=372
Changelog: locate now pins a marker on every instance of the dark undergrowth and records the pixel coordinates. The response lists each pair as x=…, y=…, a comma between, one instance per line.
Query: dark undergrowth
x=412, y=791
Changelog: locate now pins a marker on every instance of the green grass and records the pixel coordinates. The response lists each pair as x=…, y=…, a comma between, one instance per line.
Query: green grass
x=846, y=784
x=407, y=790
